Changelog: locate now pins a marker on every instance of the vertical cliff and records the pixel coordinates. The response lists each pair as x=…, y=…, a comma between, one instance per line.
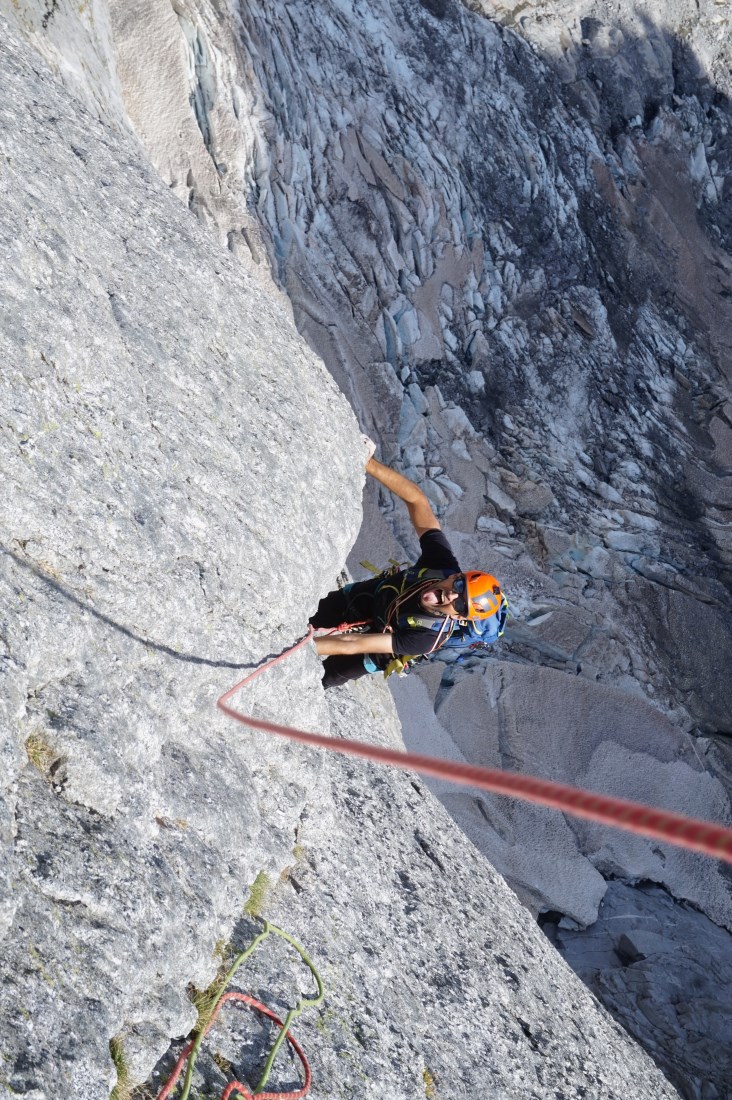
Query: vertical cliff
x=507, y=232
x=512, y=259
x=172, y=453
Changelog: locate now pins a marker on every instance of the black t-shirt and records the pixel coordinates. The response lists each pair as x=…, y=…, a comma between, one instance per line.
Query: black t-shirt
x=365, y=602
x=436, y=554
x=369, y=601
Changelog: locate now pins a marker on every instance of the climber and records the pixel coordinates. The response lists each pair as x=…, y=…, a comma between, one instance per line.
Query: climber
x=411, y=612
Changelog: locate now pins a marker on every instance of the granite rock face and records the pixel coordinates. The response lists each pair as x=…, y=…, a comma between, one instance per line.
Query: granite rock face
x=75, y=41
x=442, y=986
x=162, y=528
x=637, y=959
x=437, y=186
x=507, y=233
x=162, y=500
x=509, y=242
x=526, y=299
x=498, y=718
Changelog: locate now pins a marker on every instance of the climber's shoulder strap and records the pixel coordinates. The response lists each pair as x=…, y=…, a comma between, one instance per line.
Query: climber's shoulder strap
x=394, y=566
x=397, y=584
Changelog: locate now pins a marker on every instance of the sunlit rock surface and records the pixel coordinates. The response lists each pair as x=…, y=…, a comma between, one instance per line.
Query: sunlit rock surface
x=162, y=506
x=530, y=310
x=162, y=528
x=510, y=243
x=436, y=979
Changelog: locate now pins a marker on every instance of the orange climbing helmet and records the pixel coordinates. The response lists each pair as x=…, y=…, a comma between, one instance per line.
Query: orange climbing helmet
x=480, y=595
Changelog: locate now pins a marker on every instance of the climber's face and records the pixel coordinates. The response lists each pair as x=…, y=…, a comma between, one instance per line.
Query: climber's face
x=441, y=597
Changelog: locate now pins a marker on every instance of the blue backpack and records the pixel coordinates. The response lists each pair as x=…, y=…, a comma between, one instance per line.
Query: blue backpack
x=474, y=635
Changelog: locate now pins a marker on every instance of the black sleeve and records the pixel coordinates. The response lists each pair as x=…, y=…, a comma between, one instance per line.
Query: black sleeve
x=436, y=552
x=412, y=640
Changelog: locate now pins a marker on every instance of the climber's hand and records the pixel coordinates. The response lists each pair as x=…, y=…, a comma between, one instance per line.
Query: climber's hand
x=369, y=448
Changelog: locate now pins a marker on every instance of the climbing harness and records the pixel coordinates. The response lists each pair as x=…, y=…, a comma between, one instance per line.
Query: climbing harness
x=190, y=1052
x=684, y=832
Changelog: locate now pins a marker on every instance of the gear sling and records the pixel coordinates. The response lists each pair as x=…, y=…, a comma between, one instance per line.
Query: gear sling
x=406, y=585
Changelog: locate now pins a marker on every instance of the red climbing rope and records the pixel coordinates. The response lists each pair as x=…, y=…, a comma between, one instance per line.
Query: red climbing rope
x=236, y=1086
x=684, y=832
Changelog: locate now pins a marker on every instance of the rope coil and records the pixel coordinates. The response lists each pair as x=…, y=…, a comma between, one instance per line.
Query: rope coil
x=633, y=817
x=189, y=1053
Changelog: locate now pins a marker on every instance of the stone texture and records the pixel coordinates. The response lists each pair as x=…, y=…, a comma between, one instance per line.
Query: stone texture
x=439, y=986
x=559, y=227
x=540, y=201
x=160, y=492
x=637, y=959
x=535, y=256
x=523, y=719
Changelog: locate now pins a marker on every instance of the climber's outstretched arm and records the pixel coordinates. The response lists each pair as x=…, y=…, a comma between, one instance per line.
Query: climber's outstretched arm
x=350, y=644
x=420, y=511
